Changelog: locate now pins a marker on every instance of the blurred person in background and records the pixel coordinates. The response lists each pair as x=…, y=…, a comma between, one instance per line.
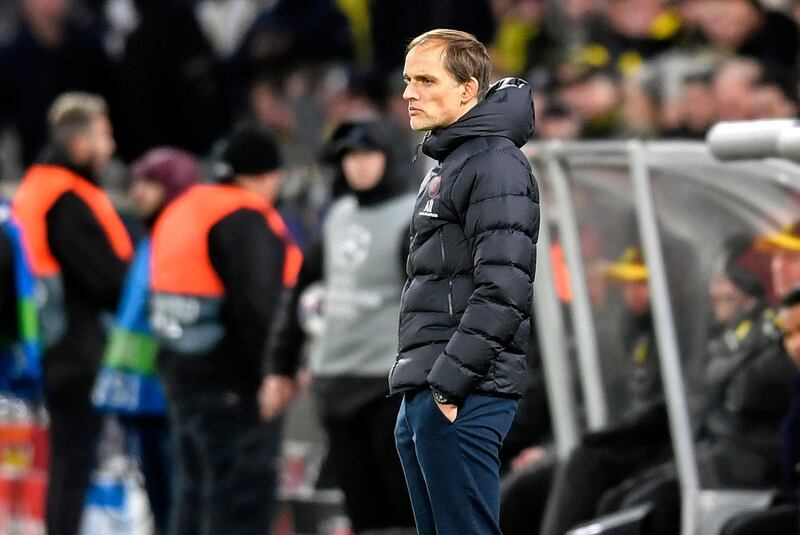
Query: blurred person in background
x=640, y=439
x=523, y=40
x=747, y=379
x=784, y=250
x=594, y=96
x=745, y=28
x=78, y=249
x=359, y=261
x=632, y=32
x=394, y=24
x=48, y=56
x=781, y=517
x=746, y=387
x=696, y=109
x=640, y=109
x=556, y=121
x=127, y=385
x=776, y=97
x=734, y=87
x=290, y=33
x=9, y=320
x=169, y=81
x=221, y=259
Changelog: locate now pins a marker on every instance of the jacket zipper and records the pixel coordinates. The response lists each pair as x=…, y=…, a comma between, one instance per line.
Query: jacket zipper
x=449, y=279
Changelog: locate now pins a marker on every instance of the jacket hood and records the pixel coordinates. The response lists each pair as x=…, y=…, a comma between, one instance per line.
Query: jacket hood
x=370, y=135
x=506, y=111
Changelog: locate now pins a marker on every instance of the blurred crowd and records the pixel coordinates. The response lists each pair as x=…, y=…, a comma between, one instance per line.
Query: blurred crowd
x=180, y=72
x=318, y=86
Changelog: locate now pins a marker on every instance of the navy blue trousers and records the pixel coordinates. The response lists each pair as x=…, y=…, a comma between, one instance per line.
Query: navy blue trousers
x=453, y=469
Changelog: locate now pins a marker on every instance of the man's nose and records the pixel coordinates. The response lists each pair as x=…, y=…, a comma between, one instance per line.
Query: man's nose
x=409, y=94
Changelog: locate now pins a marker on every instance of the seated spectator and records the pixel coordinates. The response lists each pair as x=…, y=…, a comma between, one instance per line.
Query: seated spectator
x=640, y=108
x=734, y=89
x=523, y=39
x=746, y=28
x=697, y=108
x=776, y=97
x=634, y=31
x=593, y=95
x=782, y=517
x=640, y=440
x=170, y=82
x=296, y=31
x=784, y=248
x=747, y=383
x=48, y=55
x=556, y=121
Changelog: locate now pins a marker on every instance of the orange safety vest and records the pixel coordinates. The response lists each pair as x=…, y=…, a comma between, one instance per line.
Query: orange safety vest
x=41, y=187
x=181, y=263
x=186, y=288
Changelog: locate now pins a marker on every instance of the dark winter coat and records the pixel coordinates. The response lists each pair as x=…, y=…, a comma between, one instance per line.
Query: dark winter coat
x=465, y=310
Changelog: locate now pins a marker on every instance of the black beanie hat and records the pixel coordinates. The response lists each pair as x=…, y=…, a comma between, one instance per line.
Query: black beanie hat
x=248, y=150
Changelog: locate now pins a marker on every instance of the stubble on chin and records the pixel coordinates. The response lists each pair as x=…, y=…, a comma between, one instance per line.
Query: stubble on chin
x=418, y=126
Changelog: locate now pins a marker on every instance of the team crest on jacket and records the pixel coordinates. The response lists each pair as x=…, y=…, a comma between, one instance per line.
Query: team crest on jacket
x=434, y=186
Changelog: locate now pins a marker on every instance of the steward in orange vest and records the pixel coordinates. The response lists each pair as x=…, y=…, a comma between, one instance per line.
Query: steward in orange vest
x=214, y=245
x=78, y=250
x=221, y=259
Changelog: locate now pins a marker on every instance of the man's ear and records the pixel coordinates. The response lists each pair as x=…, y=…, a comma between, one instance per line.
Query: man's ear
x=470, y=90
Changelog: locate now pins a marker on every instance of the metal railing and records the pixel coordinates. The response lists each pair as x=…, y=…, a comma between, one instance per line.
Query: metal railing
x=727, y=141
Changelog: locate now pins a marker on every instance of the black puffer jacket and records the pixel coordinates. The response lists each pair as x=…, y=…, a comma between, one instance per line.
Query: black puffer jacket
x=465, y=311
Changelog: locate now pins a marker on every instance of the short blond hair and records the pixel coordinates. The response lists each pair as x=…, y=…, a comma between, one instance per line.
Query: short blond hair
x=76, y=107
x=464, y=56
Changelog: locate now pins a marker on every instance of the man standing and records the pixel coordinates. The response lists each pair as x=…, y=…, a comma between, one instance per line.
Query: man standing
x=78, y=250
x=127, y=386
x=221, y=257
x=465, y=309
x=357, y=262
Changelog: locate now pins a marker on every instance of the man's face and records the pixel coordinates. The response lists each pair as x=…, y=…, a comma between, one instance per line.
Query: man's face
x=728, y=22
x=435, y=99
x=363, y=169
x=785, y=267
x=726, y=299
x=790, y=327
x=637, y=296
x=148, y=196
x=94, y=146
x=266, y=185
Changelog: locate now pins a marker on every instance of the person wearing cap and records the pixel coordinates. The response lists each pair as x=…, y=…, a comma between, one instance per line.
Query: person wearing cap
x=640, y=437
x=221, y=258
x=640, y=378
x=746, y=385
x=781, y=517
x=784, y=249
x=78, y=250
x=360, y=262
x=127, y=386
